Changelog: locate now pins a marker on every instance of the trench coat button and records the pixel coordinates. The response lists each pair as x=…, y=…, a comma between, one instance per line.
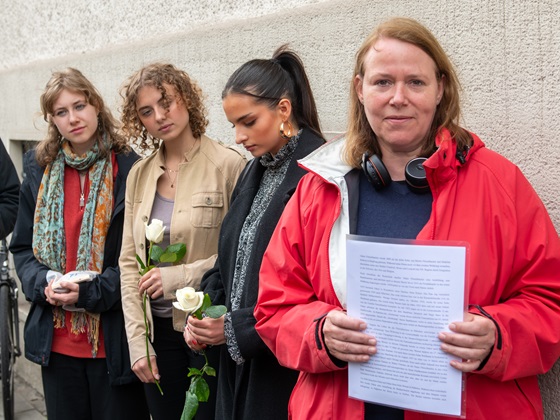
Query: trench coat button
x=141, y=246
x=208, y=201
x=145, y=218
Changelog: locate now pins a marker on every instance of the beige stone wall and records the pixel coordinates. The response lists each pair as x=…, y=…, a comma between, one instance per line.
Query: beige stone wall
x=507, y=53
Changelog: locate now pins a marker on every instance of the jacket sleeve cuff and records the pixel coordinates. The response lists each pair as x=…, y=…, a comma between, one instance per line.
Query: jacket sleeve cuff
x=137, y=348
x=325, y=355
x=183, y=275
x=494, y=358
x=173, y=278
x=82, y=294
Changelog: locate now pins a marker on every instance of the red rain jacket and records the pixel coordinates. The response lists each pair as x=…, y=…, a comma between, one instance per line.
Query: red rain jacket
x=514, y=276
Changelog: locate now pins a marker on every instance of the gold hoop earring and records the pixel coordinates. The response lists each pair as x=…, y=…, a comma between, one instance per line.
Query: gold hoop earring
x=286, y=133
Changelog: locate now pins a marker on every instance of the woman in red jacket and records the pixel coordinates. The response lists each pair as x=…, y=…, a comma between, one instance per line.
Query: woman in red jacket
x=404, y=105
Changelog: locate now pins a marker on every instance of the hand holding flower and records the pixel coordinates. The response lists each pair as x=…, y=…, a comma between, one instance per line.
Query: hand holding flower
x=150, y=284
x=208, y=331
x=197, y=305
x=147, y=370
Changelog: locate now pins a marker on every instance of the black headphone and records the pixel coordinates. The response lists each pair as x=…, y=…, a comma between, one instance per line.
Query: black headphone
x=378, y=175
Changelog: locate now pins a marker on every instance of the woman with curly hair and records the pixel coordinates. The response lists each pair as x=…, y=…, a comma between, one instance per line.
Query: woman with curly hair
x=187, y=183
x=70, y=218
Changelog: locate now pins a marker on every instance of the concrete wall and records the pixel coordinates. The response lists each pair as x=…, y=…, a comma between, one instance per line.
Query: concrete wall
x=507, y=53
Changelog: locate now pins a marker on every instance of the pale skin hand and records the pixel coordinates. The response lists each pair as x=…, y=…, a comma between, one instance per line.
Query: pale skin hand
x=59, y=299
x=345, y=340
x=191, y=341
x=471, y=340
x=152, y=283
x=200, y=333
x=142, y=370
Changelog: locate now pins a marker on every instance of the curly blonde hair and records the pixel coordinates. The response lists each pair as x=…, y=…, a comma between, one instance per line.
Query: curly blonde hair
x=156, y=74
x=73, y=80
x=360, y=138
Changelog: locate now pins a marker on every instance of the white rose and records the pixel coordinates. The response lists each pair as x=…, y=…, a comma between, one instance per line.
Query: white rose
x=188, y=300
x=154, y=231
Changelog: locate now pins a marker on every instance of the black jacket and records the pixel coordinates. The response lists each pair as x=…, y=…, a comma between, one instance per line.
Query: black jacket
x=102, y=295
x=9, y=193
x=260, y=387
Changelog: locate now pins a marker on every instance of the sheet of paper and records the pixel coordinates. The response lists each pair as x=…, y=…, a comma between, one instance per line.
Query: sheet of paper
x=407, y=293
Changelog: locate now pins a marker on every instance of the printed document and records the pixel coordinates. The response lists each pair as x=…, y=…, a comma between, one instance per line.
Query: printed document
x=407, y=292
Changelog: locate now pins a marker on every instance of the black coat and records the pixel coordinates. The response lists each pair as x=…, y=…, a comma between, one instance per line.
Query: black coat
x=102, y=295
x=9, y=193
x=260, y=387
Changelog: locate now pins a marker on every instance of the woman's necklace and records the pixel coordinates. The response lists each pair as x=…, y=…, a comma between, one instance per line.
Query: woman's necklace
x=169, y=172
x=175, y=172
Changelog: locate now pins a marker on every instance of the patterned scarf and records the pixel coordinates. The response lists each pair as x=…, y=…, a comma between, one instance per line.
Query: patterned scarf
x=49, y=240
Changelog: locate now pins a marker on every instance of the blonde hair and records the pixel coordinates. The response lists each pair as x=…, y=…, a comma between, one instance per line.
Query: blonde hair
x=360, y=138
x=73, y=80
x=156, y=75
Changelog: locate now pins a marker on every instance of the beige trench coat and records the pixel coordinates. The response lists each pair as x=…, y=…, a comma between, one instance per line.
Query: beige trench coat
x=205, y=183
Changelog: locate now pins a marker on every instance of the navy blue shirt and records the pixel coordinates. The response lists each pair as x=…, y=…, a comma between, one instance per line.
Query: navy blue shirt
x=393, y=212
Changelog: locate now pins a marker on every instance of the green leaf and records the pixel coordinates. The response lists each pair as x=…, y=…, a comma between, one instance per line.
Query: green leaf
x=156, y=253
x=168, y=257
x=142, y=265
x=215, y=311
x=197, y=314
x=209, y=370
x=206, y=303
x=201, y=389
x=194, y=372
x=178, y=249
x=191, y=406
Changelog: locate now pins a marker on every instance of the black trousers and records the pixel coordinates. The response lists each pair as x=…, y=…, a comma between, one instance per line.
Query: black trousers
x=77, y=388
x=174, y=358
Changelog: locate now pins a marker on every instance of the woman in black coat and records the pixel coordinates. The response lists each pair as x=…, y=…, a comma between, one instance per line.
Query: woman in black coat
x=271, y=106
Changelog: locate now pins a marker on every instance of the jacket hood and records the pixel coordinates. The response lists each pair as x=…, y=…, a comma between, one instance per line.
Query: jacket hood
x=446, y=154
x=327, y=160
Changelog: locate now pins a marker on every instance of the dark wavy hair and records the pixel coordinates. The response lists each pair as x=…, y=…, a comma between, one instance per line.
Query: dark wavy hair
x=156, y=74
x=73, y=80
x=269, y=81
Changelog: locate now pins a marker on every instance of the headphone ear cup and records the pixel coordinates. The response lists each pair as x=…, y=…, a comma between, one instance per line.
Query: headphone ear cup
x=375, y=171
x=415, y=175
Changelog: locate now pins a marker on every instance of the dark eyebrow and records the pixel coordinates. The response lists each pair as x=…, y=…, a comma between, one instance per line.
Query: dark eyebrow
x=243, y=117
